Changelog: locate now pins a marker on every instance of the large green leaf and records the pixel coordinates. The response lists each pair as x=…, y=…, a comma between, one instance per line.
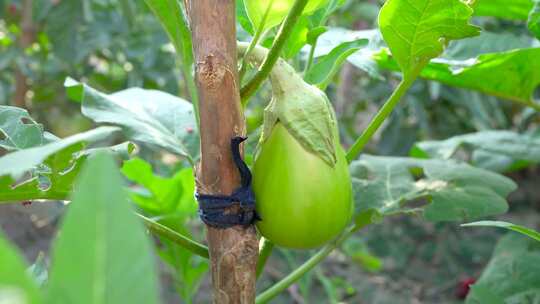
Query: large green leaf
x=16, y=286
x=452, y=191
x=493, y=150
x=517, y=228
x=103, y=254
x=512, y=10
x=512, y=275
x=18, y=130
x=460, y=64
x=279, y=9
x=417, y=31
x=48, y=171
x=513, y=75
x=492, y=57
x=148, y=116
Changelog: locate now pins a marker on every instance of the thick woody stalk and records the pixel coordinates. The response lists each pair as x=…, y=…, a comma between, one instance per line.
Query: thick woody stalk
x=234, y=251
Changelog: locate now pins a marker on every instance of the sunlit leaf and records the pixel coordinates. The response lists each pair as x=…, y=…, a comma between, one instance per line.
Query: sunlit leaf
x=512, y=75
x=417, y=31
x=279, y=9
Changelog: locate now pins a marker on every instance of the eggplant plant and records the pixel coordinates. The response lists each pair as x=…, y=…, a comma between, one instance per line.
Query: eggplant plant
x=284, y=179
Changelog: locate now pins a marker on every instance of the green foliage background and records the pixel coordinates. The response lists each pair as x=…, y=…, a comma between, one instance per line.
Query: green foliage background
x=463, y=138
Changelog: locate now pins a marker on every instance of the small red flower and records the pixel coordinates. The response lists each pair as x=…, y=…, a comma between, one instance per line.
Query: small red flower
x=189, y=130
x=463, y=287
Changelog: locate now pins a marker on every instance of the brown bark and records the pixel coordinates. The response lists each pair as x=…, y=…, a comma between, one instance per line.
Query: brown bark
x=234, y=251
x=26, y=39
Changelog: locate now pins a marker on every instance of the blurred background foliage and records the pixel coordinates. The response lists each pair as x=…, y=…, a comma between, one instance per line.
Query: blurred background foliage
x=116, y=44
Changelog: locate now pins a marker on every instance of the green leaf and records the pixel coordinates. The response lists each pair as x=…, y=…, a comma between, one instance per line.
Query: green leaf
x=486, y=43
x=480, y=294
x=363, y=58
x=297, y=38
x=507, y=147
x=16, y=286
x=18, y=130
x=102, y=254
x=533, y=22
x=161, y=195
x=122, y=151
x=173, y=20
x=314, y=34
x=242, y=17
x=513, y=75
x=50, y=169
x=147, y=116
x=171, y=201
x=359, y=253
x=512, y=274
x=320, y=16
x=256, y=8
x=512, y=10
x=189, y=268
x=523, y=230
x=461, y=65
x=458, y=55
x=417, y=31
x=323, y=71
x=448, y=191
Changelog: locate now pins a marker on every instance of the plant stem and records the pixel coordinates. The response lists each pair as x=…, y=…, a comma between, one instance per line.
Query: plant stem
x=233, y=252
x=176, y=237
x=255, y=40
x=284, y=33
x=294, y=276
x=310, y=58
x=379, y=119
x=264, y=254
